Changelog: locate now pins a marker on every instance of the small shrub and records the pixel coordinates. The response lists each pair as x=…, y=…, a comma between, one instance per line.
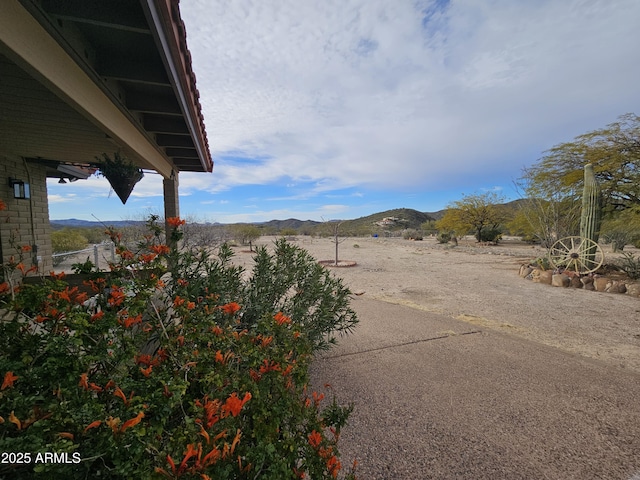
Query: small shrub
x=412, y=234
x=443, y=237
x=490, y=235
x=630, y=264
x=543, y=263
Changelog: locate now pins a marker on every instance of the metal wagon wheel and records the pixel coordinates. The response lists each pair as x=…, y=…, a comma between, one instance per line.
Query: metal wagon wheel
x=578, y=254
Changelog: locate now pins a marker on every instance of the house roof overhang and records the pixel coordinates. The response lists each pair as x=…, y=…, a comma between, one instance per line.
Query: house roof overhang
x=85, y=77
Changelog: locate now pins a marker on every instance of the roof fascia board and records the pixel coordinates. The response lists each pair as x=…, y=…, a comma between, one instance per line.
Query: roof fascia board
x=160, y=22
x=36, y=50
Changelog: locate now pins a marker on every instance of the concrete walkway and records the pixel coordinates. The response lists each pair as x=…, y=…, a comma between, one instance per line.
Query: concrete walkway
x=439, y=398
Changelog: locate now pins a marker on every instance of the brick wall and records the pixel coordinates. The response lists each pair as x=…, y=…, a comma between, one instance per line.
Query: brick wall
x=25, y=221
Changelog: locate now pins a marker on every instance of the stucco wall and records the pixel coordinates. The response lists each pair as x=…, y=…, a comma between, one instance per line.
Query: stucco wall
x=25, y=221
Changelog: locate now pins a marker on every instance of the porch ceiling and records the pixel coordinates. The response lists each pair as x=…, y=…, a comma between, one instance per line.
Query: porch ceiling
x=131, y=86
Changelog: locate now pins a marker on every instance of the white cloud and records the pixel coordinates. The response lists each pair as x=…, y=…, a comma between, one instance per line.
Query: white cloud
x=401, y=94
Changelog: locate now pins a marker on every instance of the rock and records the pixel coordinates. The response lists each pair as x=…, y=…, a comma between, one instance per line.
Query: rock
x=575, y=282
x=588, y=283
x=600, y=283
x=614, y=286
x=525, y=270
x=545, y=277
x=560, y=280
x=633, y=289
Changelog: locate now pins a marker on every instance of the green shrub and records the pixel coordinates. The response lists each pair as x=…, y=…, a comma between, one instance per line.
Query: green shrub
x=67, y=240
x=630, y=264
x=443, y=237
x=176, y=364
x=412, y=234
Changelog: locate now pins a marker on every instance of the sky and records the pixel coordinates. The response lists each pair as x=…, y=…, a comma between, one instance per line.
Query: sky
x=338, y=109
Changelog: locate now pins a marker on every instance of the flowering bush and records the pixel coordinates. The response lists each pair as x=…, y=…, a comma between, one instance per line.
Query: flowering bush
x=175, y=364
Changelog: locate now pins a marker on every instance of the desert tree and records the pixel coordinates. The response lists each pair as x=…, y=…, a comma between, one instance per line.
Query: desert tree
x=479, y=214
x=614, y=152
x=246, y=233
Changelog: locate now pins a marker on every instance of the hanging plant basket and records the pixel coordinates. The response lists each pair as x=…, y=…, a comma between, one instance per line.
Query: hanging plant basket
x=121, y=173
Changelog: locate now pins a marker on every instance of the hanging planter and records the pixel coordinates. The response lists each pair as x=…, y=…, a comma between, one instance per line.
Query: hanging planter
x=121, y=173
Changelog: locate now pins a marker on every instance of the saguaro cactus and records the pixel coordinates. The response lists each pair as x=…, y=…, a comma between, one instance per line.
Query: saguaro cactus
x=591, y=215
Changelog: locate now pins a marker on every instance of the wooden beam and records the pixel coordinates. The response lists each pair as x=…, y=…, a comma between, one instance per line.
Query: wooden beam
x=182, y=152
x=130, y=70
x=126, y=15
x=148, y=103
x=165, y=124
x=167, y=140
x=35, y=50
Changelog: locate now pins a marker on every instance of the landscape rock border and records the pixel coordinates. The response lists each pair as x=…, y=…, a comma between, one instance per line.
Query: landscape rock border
x=568, y=279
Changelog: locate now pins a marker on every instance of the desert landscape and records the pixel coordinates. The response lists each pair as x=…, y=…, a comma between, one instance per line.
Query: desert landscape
x=480, y=285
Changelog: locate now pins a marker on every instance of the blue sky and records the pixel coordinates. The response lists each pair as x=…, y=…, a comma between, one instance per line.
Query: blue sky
x=343, y=108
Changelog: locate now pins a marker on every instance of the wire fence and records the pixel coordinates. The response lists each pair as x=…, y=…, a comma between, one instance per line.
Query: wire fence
x=99, y=254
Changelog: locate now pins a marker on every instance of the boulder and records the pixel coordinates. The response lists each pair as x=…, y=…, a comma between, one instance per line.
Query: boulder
x=560, y=280
x=545, y=277
x=600, y=283
x=633, y=289
x=575, y=282
x=588, y=283
x=525, y=270
x=615, y=286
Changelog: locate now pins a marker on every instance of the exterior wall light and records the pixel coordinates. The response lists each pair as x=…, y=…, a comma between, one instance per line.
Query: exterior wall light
x=21, y=189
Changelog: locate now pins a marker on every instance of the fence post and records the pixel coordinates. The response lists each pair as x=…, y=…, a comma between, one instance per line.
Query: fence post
x=113, y=252
x=96, y=258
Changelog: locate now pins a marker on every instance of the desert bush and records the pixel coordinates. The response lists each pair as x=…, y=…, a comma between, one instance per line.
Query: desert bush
x=443, y=237
x=490, y=235
x=175, y=364
x=630, y=264
x=67, y=240
x=412, y=234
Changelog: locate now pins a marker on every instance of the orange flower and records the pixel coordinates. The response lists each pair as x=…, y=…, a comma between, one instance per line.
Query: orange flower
x=94, y=387
x=13, y=419
x=160, y=249
x=26, y=248
x=212, y=457
x=4, y=287
x=191, y=305
x=178, y=301
x=230, y=308
x=269, y=366
x=83, y=381
x=217, y=331
x=9, y=379
x=3, y=206
x=233, y=405
x=131, y=321
x=147, y=371
x=116, y=297
x=66, y=435
x=315, y=439
x=113, y=423
x=175, y=222
x=281, y=319
x=132, y=422
x=119, y=393
x=97, y=316
x=93, y=424
x=147, y=257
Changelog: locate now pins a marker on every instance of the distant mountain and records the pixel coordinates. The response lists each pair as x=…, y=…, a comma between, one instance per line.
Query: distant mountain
x=290, y=223
x=396, y=219
x=76, y=223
